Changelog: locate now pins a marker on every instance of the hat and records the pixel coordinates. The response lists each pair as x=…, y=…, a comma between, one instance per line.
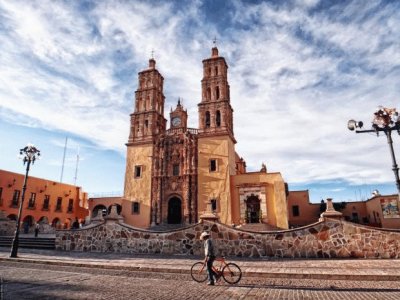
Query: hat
x=204, y=234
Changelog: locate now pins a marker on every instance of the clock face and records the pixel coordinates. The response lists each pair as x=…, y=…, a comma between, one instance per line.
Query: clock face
x=176, y=121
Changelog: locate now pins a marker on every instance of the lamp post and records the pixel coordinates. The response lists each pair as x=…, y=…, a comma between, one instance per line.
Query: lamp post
x=28, y=156
x=385, y=120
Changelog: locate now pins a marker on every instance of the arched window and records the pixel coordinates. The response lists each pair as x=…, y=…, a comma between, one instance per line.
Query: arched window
x=216, y=71
x=209, y=71
x=208, y=93
x=218, y=118
x=217, y=92
x=207, y=119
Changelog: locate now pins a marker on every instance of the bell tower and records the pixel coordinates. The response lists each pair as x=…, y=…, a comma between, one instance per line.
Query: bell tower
x=148, y=120
x=147, y=124
x=216, y=142
x=215, y=111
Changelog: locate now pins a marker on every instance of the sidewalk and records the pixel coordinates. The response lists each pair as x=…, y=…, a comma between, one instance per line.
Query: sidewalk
x=333, y=269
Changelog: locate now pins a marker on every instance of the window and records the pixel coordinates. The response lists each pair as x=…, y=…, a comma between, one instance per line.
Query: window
x=15, y=199
x=46, y=202
x=32, y=199
x=213, y=165
x=213, y=204
x=58, y=205
x=135, y=208
x=70, y=205
x=216, y=71
x=175, y=170
x=1, y=193
x=207, y=119
x=218, y=118
x=208, y=94
x=146, y=123
x=217, y=92
x=295, y=210
x=354, y=217
x=138, y=171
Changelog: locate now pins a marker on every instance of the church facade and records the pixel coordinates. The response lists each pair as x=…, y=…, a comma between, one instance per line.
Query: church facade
x=174, y=173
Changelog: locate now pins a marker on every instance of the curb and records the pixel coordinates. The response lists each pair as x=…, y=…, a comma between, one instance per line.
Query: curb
x=259, y=274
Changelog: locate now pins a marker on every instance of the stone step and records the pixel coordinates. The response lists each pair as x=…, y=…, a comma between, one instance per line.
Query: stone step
x=30, y=243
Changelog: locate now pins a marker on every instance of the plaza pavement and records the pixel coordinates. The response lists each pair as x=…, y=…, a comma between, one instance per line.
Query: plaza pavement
x=322, y=269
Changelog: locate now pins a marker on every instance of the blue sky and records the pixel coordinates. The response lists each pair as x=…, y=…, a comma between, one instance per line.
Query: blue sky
x=298, y=71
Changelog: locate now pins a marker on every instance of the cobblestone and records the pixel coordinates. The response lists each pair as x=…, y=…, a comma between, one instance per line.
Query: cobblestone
x=38, y=281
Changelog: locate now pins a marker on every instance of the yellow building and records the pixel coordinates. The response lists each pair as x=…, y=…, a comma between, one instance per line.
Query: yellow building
x=173, y=175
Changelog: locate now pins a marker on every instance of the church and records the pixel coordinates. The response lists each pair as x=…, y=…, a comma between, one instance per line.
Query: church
x=175, y=174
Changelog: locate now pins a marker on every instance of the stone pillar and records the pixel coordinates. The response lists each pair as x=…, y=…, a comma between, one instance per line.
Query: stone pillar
x=330, y=211
x=113, y=216
x=208, y=214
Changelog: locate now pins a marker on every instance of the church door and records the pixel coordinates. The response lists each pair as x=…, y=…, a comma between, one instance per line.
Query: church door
x=174, y=211
x=253, y=209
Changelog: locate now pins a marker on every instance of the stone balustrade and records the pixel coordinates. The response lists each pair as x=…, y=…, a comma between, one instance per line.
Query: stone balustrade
x=329, y=238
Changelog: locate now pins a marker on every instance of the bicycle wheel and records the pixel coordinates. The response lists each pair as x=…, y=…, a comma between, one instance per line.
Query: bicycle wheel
x=232, y=273
x=199, y=272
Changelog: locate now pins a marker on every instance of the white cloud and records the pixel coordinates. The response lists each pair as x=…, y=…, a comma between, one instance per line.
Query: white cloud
x=296, y=77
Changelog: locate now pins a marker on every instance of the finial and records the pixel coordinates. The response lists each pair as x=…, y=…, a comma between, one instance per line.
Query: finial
x=179, y=101
x=152, y=53
x=215, y=41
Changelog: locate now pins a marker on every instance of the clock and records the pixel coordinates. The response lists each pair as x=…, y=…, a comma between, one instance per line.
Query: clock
x=176, y=121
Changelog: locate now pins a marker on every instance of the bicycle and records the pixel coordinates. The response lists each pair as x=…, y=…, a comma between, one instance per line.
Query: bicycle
x=229, y=271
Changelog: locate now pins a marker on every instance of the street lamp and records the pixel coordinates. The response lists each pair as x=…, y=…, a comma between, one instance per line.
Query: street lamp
x=28, y=156
x=385, y=120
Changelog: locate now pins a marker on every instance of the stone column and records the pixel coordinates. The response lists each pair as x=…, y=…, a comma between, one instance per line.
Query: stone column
x=330, y=211
x=208, y=214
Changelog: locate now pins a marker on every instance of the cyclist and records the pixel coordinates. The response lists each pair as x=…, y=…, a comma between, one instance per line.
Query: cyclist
x=209, y=257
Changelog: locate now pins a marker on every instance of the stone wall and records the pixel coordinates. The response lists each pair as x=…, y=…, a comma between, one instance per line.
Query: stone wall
x=7, y=227
x=326, y=239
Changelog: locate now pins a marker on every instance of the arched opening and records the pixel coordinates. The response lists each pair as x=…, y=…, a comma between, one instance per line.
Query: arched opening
x=209, y=94
x=67, y=223
x=216, y=71
x=43, y=220
x=208, y=119
x=29, y=219
x=56, y=223
x=174, y=211
x=217, y=92
x=119, y=208
x=27, y=223
x=253, y=211
x=99, y=209
x=218, y=118
x=12, y=217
